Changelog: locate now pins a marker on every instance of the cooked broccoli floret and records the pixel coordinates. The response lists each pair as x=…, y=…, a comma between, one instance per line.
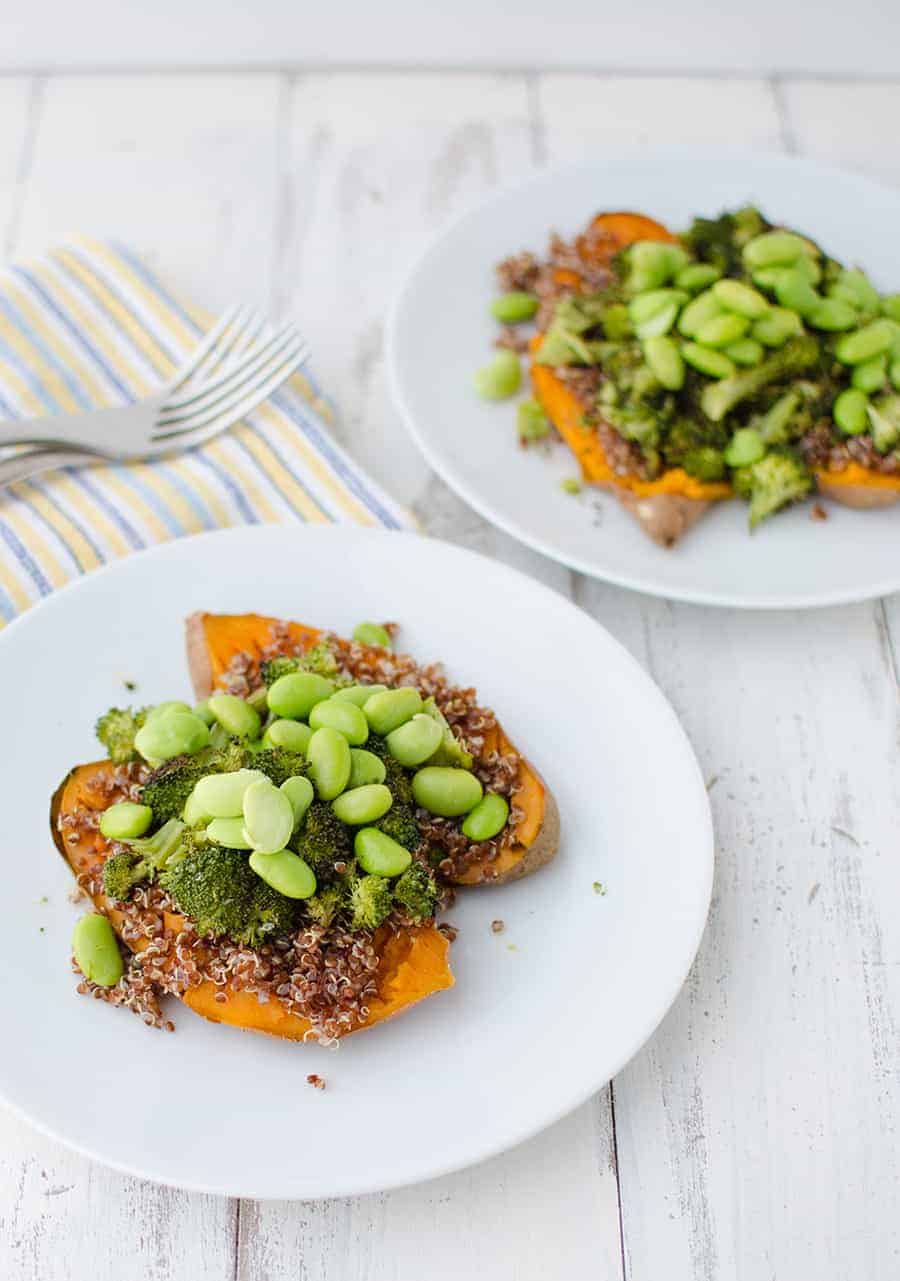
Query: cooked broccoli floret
x=370, y=901
x=141, y=860
x=720, y=398
x=399, y=823
x=690, y=439
x=704, y=463
x=222, y=894
x=323, y=841
x=720, y=240
x=167, y=789
x=274, y=668
x=324, y=906
x=417, y=892
x=278, y=764
x=319, y=659
x=116, y=730
x=784, y=420
x=884, y=417
x=776, y=480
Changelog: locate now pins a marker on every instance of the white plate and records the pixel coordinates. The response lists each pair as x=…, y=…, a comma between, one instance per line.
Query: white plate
x=441, y=332
x=541, y=1015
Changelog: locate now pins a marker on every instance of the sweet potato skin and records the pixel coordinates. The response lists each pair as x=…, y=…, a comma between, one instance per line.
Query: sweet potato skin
x=413, y=962
x=857, y=487
x=212, y=639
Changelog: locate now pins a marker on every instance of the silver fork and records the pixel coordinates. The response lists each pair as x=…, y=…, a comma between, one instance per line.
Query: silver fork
x=237, y=366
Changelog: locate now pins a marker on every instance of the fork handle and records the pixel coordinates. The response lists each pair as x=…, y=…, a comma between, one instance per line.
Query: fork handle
x=21, y=466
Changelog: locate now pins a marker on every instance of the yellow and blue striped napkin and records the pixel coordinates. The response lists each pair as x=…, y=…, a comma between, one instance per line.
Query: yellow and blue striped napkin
x=91, y=325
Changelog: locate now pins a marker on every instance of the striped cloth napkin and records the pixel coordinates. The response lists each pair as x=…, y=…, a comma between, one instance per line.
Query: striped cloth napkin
x=91, y=325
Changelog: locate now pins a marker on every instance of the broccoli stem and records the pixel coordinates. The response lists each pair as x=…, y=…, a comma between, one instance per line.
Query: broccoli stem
x=720, y=398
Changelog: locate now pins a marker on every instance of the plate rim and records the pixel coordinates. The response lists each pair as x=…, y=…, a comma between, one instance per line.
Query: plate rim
x=353, y=1184
x=648, y=584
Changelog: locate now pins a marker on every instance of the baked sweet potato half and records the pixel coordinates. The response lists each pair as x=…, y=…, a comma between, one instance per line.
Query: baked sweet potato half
x=412, y=962
x=734, y=360
x=225, y=651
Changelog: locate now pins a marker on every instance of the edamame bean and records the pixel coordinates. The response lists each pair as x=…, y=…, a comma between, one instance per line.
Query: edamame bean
x=652, y=263
x=531, y=422
x=234, y=715
x=696, y=276
x=768, y=277
x=832, y=315
x=230, y=833
x=698, y=311
x=358, y=694
x=294, y=736
x=867, y=342
x=125, y=821
x=894, y=372
x=346, y=718
x=775, y=328
x=222, y=795
x=660, y=323
x=385, y=712
x=299, y=791
x=795, y=292
x=740, y=298
x=363, y=805
x=514, y=307
x=616, y=322
x=268, y=816
x=745, y=447
x=329, y=762
x=746, y=352
x=855, y=288
x=365, y=767
x=890, y=306
x=446, y=791
x=286, y=872
x=646, y=306
x=206, y=716
x=851, y=411
x=487, y=818
x=96, y=950
x=372, y=634
x=163, y=709
x=706, y=361
x=413, y=743
x=175, y=734
x=664, y=358
x=722, y=330
x=776, y=249
x=258, y=699
x=295, y=695
x=501, y=378
x=380, y=855
x=871, y=375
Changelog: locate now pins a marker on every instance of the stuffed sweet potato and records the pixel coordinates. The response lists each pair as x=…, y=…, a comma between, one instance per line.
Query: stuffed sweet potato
x=735, y=360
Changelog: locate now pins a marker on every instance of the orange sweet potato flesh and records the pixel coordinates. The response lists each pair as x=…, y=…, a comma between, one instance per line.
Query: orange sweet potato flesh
x=413, y=962
x=214, y=639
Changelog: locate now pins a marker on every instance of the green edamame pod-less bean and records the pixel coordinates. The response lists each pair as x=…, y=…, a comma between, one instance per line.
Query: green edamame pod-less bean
x=345, y=717
x=652, y=262
x=851, y=411
x=175, y=734
x=96, y=950
x=664, y=358
x=286, y=872
x=865, y=343
x=647, y=305
x=164, y=709
x=894, y=372
x=776, y=249
x=294, y=736
x=295, y=695
x=125, y=821
x=358, y=694
x=365, y=767
x=698, y=311
x=531, y=421
x=775, y=328
x=742, y=299
x=696, y=276
x=715, y=364
x=446, y=791
x=487, y=819
x=362, y=805
x=268, y=816
x=890, y=306
x=722, y=330
x=796, y=293
x=329, y=762
x=385, y=712
x=871, y=375
x=378, y=854
x=414, y=742
x=501, y=378
x=299, y=791
x=745, y=447
x=222, y=795
x=660, y=323
x=206, y=716
x=855, y=288
x=514, y=307
x=233, y=714
x=372, y=634
x=746, y=352
x=832, y=315
x=230, y=833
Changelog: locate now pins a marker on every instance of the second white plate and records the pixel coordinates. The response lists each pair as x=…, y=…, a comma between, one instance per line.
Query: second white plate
x=441, y=332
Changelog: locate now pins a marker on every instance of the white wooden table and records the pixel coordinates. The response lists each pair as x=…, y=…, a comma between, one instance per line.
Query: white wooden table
x=756, y=1136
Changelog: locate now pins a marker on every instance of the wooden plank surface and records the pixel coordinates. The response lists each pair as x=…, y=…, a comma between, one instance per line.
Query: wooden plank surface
x=753, y=1134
